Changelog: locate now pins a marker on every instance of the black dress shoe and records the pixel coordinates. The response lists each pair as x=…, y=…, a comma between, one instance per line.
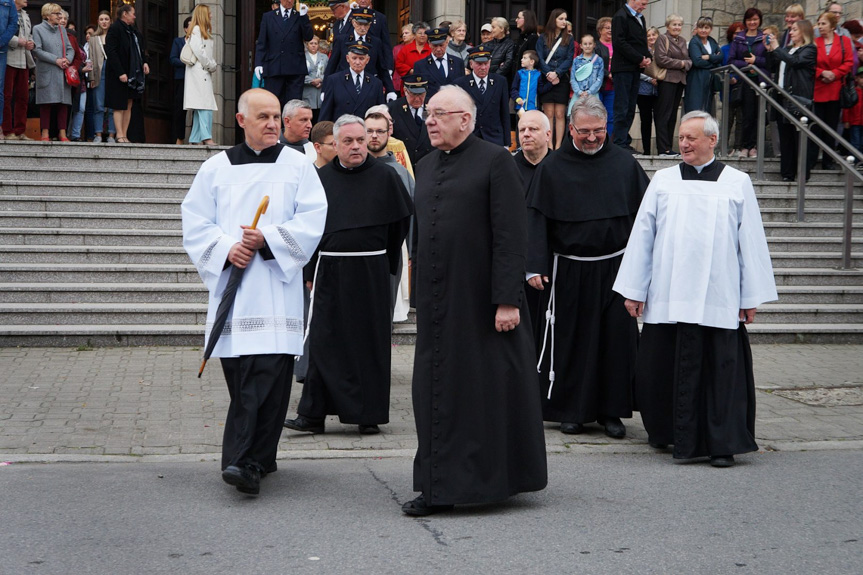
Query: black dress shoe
x=419, y=508
x=305, y=424
x=722, y=460
x=246, y=479
x=571, y=428
x=613, y=427
x=657, y=445
x=369, y=429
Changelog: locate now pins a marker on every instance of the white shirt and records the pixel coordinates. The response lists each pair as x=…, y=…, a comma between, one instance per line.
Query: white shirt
x=477, y=79
x=697, y=252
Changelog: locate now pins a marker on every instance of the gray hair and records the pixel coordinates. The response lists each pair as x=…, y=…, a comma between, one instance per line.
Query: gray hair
x=673, y=18
x=588, y=106
x=711, y=127
x=294, y=106
x=420, y=26
x=501, y=23
x=381, y=109
x=467, y=100
x=346, y=120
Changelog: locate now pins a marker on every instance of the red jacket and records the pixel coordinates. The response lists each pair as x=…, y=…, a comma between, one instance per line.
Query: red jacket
x=854, y=116
x=829, y=91
x=409, y=55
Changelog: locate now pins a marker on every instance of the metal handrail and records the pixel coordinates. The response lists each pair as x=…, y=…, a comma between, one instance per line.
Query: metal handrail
x=802, y=126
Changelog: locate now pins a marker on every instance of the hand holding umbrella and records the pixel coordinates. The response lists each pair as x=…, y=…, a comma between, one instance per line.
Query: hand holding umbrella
x=230, y=293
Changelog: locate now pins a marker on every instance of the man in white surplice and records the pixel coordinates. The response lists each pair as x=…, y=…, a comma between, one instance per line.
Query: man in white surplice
x=265, y=329
x=696, y=268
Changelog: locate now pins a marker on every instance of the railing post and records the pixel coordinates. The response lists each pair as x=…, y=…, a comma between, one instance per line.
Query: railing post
x=762, y=121
x=802, y=161
x=726, y=112
x=849, y=214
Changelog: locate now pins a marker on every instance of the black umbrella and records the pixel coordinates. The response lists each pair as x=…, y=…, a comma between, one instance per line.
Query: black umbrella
x=229, y=295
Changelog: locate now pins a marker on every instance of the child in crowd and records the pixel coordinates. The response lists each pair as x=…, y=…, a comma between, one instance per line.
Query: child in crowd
x=527, y=83
x=587, y=72
x=853, y=118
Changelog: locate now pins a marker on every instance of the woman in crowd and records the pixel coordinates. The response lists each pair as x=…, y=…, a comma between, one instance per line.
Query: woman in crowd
x=53, y=53
x=734, y=118
x=671, y=53
x=407, y=37
x=647, y=92
x=97, y=79
x=416, y=50
x=605, y=49
x=127, y=68
x=834, y=61
x=16, y=91
x=502, y=49
x=705, y=55
x=588, y=69
x=79, y=94
x=527, y=25
x=316, y=63
x=198, y=93
x=556, y=50
x=796, y=74
x=457, y=45
x=747, y=49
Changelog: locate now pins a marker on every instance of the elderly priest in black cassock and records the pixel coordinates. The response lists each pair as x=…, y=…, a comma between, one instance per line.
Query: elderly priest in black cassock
x=582, y=201
x=350, y=328
x=478, y=418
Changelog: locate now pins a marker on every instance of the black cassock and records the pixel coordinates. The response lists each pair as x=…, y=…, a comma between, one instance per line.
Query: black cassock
x=694, y=384
x=583, y=205
x=478, y=418
x=350, y=330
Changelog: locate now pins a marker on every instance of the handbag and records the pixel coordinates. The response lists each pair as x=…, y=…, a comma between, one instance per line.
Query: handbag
x=794, y=110
x=847, y=94
x=187, y=56
x=584, y=71
x=656, y=71
x=71, y=72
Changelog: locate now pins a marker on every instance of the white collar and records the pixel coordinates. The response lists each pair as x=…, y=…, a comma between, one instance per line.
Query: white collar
x=702, y=166
x=478, y=79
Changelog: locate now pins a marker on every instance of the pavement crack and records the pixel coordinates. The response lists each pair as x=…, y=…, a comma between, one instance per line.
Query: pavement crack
x=393, y=495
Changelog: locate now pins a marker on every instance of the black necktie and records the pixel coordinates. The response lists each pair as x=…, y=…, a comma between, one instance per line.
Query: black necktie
x=482, y=86
x=358, y=84
x=286, y=15
x=441, y=67
x=417, y=116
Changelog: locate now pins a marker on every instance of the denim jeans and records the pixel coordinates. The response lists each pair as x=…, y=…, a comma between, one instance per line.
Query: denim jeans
x=855, y=137
x=78, y=117
x=99, y=110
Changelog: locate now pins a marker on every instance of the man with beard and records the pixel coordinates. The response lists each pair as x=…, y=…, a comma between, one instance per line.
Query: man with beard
x=297, y=117
x=491, y=95
x=350, y=325
x=353, y=91
x=439, y=67
x=409, y=117
x=581, y=205
x=696, y=268
x=478, y=417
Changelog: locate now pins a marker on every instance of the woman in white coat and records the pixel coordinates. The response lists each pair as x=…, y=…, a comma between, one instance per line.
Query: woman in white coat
x=198, y=95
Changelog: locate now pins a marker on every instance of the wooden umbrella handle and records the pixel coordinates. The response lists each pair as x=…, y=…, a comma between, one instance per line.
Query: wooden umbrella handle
x=262, y=209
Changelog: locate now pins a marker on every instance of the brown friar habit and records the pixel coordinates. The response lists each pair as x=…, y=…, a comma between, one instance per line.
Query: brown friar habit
x=695, y=386
x=478, y=418
x=350, y=331
x=584, y=205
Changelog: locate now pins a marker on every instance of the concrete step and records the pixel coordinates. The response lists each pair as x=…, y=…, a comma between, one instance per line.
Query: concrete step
x=812, y=215
x=820, y=294
x=805, y=313
x=814, y=201
x=779, y=244
x=818, y=277
x=52, y=204
x=809, y=229
x=93, y=189
x=103, y=313
x=50, y=254
x=100, y=163
x=90, y=237
x=28, y=219
x=788, y=259
x=114, y=293
x=765, y=333
x=99, y=273
x=177, y=175
x=11, y=150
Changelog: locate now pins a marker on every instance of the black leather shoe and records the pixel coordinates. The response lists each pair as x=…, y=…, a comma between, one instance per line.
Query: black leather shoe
x=246, y=479
x=369, y=429
x=657, y=445
x=305, y=424
x=419, y=508
x=722, y=460
x=571, y=428
x=613, y=427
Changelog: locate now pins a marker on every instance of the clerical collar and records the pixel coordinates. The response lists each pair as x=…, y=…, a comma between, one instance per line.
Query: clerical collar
x=702, y=166
x=585, y=153
x=251, y=149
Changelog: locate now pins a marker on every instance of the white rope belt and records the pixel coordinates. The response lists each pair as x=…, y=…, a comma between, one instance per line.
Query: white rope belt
x=552, y=308
x=315, y=279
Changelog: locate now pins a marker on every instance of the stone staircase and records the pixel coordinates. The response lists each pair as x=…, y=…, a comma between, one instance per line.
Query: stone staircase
x=91, y=251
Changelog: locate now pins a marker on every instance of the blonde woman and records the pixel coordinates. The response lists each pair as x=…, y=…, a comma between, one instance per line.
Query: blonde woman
x=97, y=79
x=53, y=53
x=198, y=90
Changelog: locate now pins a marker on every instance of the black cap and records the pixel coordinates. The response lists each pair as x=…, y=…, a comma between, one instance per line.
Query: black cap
x=479, y=54
x=437, y=35
x=414, y=84
x=361, y=47
x=363, y=15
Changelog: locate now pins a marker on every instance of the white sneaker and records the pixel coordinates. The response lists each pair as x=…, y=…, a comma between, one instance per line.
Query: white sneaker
x=111, y=140
x=97, y=139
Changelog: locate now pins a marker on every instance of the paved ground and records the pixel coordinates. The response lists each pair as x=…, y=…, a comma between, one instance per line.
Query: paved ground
x=127, y=403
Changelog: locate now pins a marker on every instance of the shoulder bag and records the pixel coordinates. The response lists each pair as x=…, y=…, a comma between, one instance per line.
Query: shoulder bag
x=654, y=70
x=847, y=94
x=72, y=76
x=188, y=57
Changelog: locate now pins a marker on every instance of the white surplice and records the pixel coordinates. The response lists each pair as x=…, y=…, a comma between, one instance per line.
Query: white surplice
x=267, y=314
x=697, y=253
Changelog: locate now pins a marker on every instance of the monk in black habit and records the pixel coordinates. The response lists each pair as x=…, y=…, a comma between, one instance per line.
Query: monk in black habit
x=478, y=418
x=582, y=202
x=350, y=328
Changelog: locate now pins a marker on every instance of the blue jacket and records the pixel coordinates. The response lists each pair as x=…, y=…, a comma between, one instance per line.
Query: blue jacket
x=174, y=57
x=376, y=65
x=561, y=60
x=8, y=23
x=279, y=48
x=427, y=69
x=594, y=82
x=340, y=95
x=526, y=85
x=492, y=108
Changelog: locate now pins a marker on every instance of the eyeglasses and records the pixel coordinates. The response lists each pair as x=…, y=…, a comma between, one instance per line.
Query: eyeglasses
x=434, y=114
x=597, y=132
x=376, y=132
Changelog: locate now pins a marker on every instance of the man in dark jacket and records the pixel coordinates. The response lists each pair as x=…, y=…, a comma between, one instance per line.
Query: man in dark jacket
x=409, y=118
x=439, y=67
x=491, y=95
x=178, y=114
x=629, y=40
x=280, y=53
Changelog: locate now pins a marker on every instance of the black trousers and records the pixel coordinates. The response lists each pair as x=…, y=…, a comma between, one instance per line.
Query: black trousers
x=625, y=98
x=646, y=106
x=749, y=109
x=260, y=388
x=829, y=112
x=285, y=87
x=178, y=114
x=789, y=142
x=667, y=103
